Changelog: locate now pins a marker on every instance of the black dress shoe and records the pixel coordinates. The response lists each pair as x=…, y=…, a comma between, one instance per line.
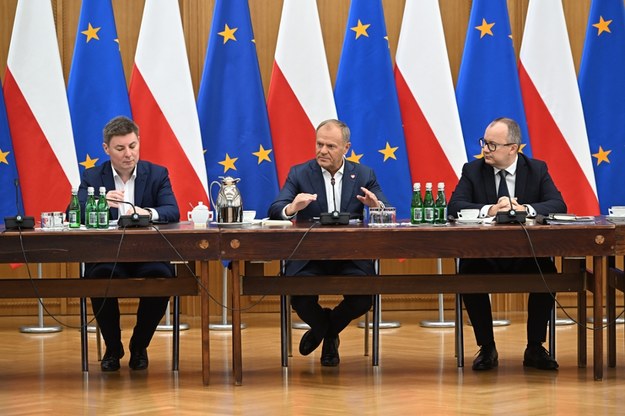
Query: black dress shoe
x=110, y=361
x=330, y=352
x=486, y=359
x=308, y=343
x=138, y=359
x=538, y=357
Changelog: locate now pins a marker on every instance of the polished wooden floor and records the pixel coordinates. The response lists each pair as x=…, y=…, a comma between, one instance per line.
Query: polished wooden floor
x=417, y=375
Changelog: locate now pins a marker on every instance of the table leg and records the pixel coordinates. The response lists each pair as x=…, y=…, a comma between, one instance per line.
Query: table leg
x=599, y=265
x=237, y=360
x=205, y=321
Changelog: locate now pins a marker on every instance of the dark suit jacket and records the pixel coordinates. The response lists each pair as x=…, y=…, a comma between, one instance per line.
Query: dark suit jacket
x=152, y=189
x=307, y=178
x=533, y=186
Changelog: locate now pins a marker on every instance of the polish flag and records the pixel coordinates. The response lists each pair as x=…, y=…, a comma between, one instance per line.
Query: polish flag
x=38, y=112
x=163, y=103
x=427, y=100
x=553, y=106
x=300, y=93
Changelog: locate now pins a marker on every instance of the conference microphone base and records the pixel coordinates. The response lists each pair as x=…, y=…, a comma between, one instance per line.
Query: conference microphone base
x=334, y=218
x=134, y=220
x=510, y=217
x=19, y=222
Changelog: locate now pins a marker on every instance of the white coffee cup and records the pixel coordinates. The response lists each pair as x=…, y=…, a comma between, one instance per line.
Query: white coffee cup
x=617, y=211
x=468, y=214
x=249, y=215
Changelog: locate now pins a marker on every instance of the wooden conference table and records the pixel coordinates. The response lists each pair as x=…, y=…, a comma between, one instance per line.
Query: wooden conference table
x=304, y=241
x=171, y=242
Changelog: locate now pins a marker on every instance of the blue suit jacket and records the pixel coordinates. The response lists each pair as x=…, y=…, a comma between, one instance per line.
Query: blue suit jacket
x=152, y=189
x=533, y=186
x=307, y=178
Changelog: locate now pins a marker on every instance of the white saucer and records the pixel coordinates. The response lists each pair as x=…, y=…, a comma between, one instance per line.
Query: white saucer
x=232, y=224
x=615, y=218
x=469, y=221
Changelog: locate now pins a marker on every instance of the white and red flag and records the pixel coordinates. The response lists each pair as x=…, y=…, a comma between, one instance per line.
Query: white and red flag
x=38, y=112
x=425, y=89
x=163, y=103
x=300, y=93
x=553, y=106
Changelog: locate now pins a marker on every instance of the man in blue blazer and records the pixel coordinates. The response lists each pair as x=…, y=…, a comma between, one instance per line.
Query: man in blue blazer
x=325, y=184
x=146, y=186
x=526, y=186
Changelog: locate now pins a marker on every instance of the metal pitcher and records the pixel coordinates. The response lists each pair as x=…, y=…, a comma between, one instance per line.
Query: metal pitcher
x=229, y=203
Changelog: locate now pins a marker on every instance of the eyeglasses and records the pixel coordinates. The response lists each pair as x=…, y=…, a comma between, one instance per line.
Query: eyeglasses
x=493, y=146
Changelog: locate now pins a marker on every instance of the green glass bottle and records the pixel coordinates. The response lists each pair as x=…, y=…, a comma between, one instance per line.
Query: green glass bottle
x=440, y=213
x=103, y=209
x=416, y=205
x=74, y=210
x=91, y=209
x=428, y=204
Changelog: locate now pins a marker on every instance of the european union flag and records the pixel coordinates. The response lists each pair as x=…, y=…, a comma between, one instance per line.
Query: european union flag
x=602, y=88
x=232, y=110
x=8, y=169
x=96, y=89
x=366, y=99
x=488, y=82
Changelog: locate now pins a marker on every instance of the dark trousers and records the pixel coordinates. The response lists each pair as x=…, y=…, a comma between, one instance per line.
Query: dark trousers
x=478, y=306
x=330, y=322
x=149, y=313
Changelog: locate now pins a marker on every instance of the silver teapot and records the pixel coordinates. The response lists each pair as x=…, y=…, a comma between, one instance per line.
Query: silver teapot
x=229, y=203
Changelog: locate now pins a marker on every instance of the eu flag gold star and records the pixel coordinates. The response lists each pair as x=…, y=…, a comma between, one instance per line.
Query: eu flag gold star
x=522, y=147
x=3, y=157
x=88, y=163
x=354, y=157
x=603, y=26
x=388, y=152
x=91, y=33
x=228, y=163
x=485, y=28
x=361, y=30
x=262, y=154
x=228, y=33
x=602, y=155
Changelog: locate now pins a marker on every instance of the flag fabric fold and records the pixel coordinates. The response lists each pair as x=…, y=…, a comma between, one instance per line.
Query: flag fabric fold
x=488, y=81
x=553, y=105
x=38, y=111
x=602, y=88
x=10, y=203
x=163, y=103
x=232, y=109
x=97, y=89
x=426, y=97
x=300, y=92
x=366, y=99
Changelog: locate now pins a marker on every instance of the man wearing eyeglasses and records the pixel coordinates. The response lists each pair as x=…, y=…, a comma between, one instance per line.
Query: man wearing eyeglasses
x=506, y=179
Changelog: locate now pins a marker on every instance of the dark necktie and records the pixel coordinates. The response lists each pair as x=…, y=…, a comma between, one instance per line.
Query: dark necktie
x=503, y=187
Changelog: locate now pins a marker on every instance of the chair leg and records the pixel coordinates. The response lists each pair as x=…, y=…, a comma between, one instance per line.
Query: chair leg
x=377, y=315
x=366, y=337
x=552, y=332
x=285, y=328
x=175, y=350
x=84, y=347
x=459, y=332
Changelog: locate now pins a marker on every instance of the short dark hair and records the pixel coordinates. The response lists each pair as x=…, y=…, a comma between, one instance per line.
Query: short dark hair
x=514, y=131
x=119, y=126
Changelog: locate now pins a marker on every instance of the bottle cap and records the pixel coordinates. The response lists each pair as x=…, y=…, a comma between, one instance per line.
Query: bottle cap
x=416, y=186
x=90, y=189
x=428, y=185
x=441, y=185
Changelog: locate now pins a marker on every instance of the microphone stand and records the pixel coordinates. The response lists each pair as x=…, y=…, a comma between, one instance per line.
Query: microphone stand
x=40, y=328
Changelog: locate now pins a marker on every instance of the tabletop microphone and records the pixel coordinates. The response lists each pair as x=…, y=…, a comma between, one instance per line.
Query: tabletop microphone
x=512, y=216
x=133, y=220
x=335, y=217
x=18, y=222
